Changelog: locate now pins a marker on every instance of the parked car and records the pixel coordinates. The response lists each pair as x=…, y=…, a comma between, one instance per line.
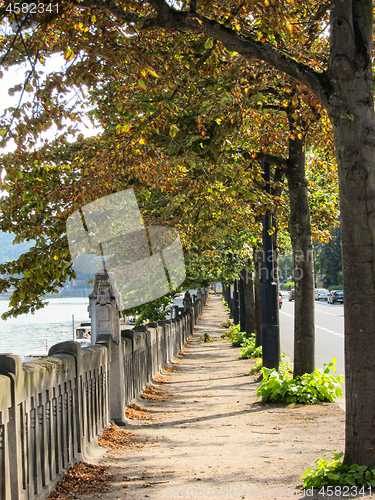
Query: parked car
x=336, y=296
x=280, y=300
x=321, y=294
x=291, y=295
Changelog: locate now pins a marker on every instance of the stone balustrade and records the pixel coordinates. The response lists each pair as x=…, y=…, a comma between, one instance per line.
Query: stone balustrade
x=52, y=410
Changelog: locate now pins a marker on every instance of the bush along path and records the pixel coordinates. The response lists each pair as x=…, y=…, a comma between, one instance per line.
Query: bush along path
x=199, y=431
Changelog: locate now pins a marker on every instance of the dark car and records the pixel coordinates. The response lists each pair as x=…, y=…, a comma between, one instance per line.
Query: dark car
x=336, y=296
x=291, y=295
x=280, y=300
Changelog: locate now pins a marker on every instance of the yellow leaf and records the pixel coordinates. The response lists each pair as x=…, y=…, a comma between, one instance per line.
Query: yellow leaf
x=173, y=129
x=152, y=72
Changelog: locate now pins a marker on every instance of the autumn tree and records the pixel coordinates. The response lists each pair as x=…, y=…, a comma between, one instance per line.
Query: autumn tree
x=343, y=83
x=288, y=36
x=224, y=121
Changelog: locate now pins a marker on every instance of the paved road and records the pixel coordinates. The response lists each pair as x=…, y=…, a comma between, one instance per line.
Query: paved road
x=329, y=332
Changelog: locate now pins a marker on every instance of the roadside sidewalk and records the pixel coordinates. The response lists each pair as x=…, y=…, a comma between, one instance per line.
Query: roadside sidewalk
x=200, y=432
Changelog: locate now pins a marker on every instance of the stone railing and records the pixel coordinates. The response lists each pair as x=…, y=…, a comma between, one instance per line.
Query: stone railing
x=53, y=409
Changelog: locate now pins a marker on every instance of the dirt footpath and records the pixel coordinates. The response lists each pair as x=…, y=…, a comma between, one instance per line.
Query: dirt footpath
x=200, y=432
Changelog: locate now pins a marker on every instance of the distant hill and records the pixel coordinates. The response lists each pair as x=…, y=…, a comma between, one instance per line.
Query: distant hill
x=8, y=251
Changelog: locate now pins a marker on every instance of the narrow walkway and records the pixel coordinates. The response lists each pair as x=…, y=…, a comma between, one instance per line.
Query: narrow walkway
x=205, y=435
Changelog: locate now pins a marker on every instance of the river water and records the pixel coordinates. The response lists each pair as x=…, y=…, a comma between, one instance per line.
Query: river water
x=38, y=332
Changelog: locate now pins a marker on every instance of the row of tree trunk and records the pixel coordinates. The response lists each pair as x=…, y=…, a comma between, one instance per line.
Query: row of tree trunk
x=244, y=300
x=244, y=296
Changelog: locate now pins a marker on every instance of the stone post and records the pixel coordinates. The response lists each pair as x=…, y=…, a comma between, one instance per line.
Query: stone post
x=105, y=307
x=187, y=302
x=175, y=311
x=11, y=366
x=105, y=310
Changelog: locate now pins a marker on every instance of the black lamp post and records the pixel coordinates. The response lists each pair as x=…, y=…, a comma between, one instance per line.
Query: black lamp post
x=270, y=325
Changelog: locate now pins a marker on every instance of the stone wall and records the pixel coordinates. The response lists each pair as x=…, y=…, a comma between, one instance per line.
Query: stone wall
x=53, y=409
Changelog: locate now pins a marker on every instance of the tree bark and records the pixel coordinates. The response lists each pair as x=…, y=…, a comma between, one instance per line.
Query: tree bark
x=358, y=231
x=351, y=110
x=301, y=237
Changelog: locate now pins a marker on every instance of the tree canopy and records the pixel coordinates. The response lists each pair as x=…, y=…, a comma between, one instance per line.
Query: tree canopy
x=169, y=53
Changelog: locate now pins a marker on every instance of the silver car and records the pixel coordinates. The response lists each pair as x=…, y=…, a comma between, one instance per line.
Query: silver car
x=321, y=294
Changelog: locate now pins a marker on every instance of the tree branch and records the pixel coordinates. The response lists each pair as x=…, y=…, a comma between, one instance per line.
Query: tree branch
x=277, y=161
x=168, y=17
x=313, y=31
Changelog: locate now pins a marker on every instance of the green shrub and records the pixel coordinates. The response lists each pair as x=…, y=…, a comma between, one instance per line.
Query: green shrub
x=206, y=338
x=225, y=303
x=226, y=324
x=286, y=367
x=257, y=366
x=248, y=348
x=236, y=337
x=232, y=334
x=309, y=388
x=336, y=473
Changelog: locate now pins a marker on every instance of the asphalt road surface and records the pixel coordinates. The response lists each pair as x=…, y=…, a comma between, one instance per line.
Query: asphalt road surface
x=329, y=332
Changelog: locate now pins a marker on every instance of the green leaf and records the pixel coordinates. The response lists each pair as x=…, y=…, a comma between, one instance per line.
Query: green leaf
x=209, y=43
x=345, y=116
x=173, y=130
x=142, y=84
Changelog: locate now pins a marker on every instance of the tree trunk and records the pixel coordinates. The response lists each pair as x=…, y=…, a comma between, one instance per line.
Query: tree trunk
x=301, y=237
x=357, y=206
x=249, y=302
x=358, y=231
x=235, y=310
x=241, y=293
x=258, y=259
x=350, y=106
x=230, y=299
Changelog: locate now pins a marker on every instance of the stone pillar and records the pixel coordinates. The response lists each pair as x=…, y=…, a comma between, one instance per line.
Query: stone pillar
x=105, y=310
x=188, y=304
x=199, y=293
x=175, y=311
x=105, y=307
x=11, y=366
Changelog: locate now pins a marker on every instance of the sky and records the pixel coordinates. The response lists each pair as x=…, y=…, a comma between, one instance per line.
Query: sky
x=16, y=75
